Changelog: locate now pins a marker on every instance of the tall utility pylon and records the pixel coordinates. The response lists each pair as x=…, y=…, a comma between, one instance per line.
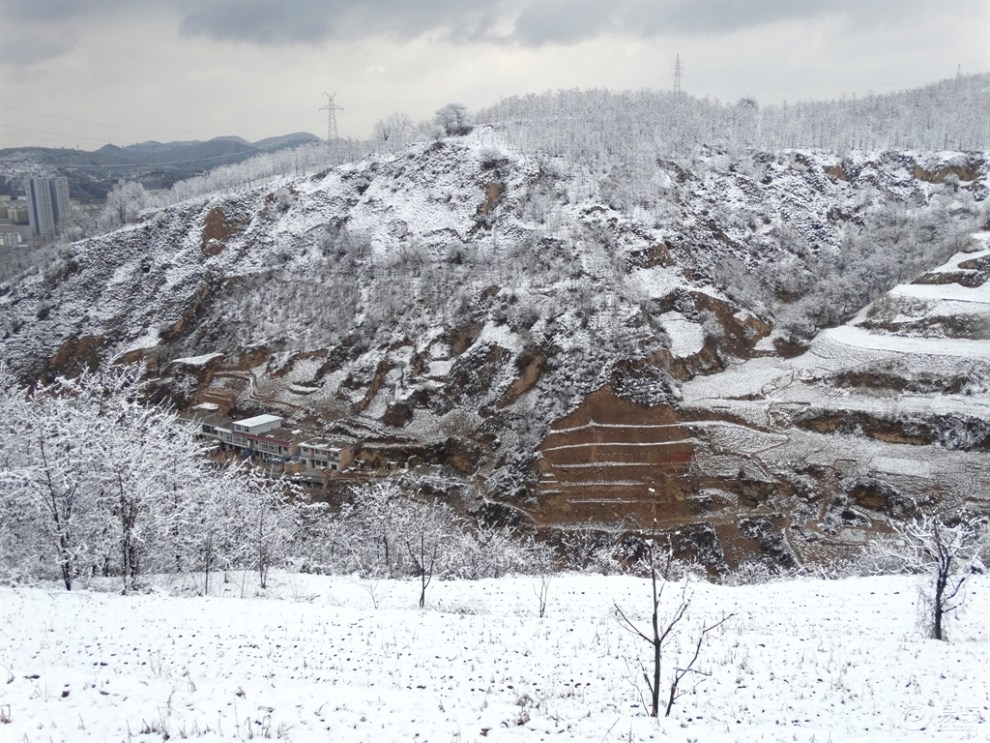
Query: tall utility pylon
x=677, y=74
x=331, y=108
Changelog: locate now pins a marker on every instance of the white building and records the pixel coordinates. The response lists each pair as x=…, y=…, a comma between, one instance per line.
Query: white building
x=47, y=203
x=325, y=455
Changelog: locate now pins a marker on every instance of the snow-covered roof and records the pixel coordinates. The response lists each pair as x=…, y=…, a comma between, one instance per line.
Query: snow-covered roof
x=258, y=420
x=326, y=445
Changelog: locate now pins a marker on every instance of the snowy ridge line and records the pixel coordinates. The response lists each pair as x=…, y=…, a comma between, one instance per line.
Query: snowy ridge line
x=610, y=443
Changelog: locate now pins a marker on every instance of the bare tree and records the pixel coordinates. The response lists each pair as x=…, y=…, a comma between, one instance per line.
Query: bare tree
x=427, y=532
x=663, y=626
x=948, y=549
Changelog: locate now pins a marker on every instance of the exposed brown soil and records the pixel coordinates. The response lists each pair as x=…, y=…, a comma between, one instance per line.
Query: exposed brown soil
x=398, y=415
x=882, y=381
x=789, y=348
x=384, y=367
x=964, y=434
x=75, y=356
x=962, y=172
x=976, y=264
x=461, y=338
x=475, y=372
x=612, y=460
x=837, y=172
x=493, y=195
x=217, y=229
x=655, y=255
x=529, y=375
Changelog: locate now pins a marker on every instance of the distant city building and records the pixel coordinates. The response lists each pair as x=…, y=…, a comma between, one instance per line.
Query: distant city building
x=47, y=203
x=12, y=235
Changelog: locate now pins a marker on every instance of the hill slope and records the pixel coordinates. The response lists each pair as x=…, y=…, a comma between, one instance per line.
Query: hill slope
x=569, y=339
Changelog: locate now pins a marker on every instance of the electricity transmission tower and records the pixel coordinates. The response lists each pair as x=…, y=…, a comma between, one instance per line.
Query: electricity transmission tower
x=677, y=74
x=331, y=108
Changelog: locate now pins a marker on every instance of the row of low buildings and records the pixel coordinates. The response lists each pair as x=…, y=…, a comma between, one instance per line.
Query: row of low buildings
x=266, y=438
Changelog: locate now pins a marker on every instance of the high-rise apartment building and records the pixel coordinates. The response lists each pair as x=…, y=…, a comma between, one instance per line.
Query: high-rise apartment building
x=47, y=203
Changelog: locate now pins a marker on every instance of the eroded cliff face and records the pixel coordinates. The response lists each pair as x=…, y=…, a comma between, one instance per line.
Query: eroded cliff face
x=579, y=365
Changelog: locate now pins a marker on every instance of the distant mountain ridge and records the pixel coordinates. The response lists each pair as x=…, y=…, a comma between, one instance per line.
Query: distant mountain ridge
x=154, y=164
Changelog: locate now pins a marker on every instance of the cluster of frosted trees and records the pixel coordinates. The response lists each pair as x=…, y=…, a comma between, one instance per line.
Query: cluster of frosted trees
x=95, y=482
x=600, y=124
x=383, y=533
x=891, y=245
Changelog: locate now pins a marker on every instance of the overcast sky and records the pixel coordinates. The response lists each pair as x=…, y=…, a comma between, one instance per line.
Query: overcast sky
x=88, y=72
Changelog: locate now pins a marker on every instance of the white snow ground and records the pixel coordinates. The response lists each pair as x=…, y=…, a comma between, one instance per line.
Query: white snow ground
x=802, y=660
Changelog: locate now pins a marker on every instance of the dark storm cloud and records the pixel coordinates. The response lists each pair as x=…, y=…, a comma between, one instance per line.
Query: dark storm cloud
x=33, y=31
x=532, y=22
x=528, y=23
x=288, y=21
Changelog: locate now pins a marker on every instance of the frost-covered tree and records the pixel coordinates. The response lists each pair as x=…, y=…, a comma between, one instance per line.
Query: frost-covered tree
x=454, y=118
x=97, y=473
x=428, y=529
x=124, y=202
x=96, y=481
x=269, y=518
x=945, y=548
x=394, y=130
x=48, y=493
x=147, y=466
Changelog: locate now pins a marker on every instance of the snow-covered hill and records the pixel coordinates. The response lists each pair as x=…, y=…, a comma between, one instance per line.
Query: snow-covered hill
x=571, y=336
x=801, y=660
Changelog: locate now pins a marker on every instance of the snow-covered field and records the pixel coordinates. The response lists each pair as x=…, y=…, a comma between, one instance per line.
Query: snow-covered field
x=314, y=659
